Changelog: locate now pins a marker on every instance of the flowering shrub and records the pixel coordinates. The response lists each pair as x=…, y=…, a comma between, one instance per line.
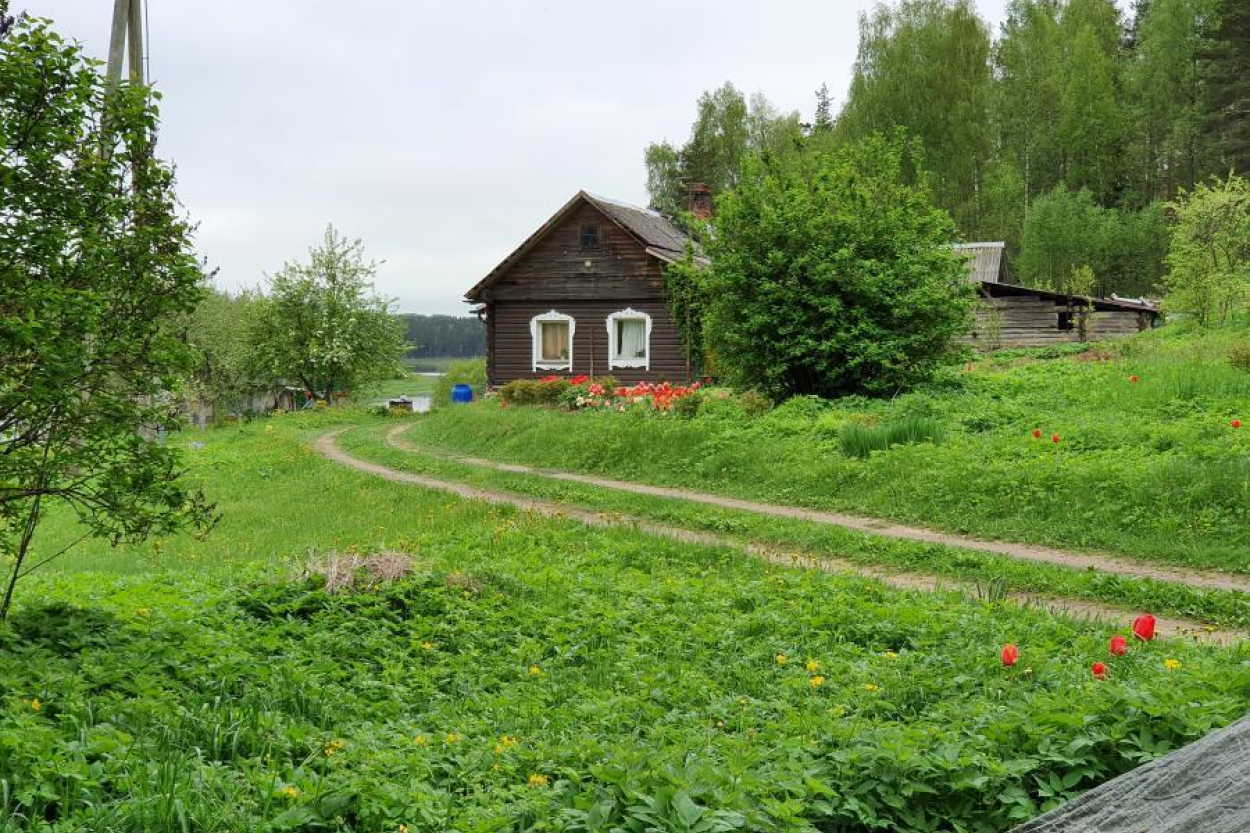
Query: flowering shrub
x=650, y=396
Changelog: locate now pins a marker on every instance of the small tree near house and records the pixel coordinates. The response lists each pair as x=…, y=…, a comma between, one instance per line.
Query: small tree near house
x=321, y=325
x=96, y=272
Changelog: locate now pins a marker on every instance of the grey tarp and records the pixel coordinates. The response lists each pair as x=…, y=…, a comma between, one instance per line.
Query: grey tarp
x=1200, y=788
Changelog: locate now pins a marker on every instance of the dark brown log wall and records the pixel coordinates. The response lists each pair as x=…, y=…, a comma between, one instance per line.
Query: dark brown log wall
x=556, y=269
x=588, y=284
x=512, y=356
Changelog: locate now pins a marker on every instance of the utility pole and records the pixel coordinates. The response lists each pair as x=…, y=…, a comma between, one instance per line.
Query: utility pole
x=127, y=27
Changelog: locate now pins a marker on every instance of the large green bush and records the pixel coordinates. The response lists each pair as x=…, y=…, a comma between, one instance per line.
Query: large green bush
x=833, y=273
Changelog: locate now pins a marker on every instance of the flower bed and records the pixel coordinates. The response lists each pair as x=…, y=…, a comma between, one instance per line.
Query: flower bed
x=602, y=393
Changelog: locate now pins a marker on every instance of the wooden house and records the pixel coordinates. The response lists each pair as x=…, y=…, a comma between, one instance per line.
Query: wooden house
x=1019, y=316
x=584, y=294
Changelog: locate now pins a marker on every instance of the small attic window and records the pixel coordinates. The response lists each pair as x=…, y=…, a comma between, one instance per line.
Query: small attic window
x=590, y=236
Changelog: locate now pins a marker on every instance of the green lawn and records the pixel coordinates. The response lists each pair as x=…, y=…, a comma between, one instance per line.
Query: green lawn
x=991, y=572
x=411, y=385
x=1150, y=468
x=537, y=674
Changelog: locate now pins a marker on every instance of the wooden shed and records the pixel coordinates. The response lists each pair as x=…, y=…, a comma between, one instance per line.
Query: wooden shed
x=1019, y=316
x=584, y=294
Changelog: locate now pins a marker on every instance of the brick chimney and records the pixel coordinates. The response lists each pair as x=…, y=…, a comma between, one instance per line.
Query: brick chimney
x=699, y=200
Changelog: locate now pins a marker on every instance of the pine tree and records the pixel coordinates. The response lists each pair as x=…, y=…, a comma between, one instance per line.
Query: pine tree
x=823, y=122
x=1227, y=82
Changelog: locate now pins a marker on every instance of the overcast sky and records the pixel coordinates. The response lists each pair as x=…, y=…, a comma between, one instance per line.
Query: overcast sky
x=443, y=134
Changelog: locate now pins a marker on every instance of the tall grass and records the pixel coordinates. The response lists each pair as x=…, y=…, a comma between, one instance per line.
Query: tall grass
x=859, y=441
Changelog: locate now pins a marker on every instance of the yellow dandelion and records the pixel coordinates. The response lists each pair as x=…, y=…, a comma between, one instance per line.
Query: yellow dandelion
x=816, y=682
x=782, y=659
x=871, y=687
x=289, y=793
x=334, y=747
x=1172, y=664
x=427, y=645
x=143, y=611
x=36, y=704
x=452, y=737
x=537, y=780
x=891, y=655
x=403, y=828
x=420, y=740
x=812, y=666
x=535, y=671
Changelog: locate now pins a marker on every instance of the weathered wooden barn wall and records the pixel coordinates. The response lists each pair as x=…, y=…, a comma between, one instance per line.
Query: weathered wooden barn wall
x=1034, y=321
x=588, y=284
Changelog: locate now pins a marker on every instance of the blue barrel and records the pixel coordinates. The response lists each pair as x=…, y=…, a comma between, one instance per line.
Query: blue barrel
x=462, y=394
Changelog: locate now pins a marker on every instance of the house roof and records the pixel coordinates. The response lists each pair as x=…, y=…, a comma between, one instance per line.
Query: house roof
x=997, y=288
x=986, y=266
x=985, y=260
x=657, y=234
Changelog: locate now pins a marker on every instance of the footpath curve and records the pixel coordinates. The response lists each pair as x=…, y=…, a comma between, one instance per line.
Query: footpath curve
x=887, y=529
x=327, y=446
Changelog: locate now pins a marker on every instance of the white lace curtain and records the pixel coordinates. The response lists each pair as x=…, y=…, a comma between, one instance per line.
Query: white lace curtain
x=631, y=338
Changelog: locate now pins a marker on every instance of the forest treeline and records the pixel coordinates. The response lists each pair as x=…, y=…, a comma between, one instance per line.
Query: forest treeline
x=444, y=336
x=1065, y=134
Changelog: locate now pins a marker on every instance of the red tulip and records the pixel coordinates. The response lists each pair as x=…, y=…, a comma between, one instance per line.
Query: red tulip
x=1235, y=423
x=1119, y=646
x=1037, y=433
x=1054, y=438
x=1099, y=670
x=1011, y=654
x=1144, y=627
x=1133, y=378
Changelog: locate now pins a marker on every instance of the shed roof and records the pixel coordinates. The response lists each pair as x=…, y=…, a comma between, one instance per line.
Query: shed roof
x=655, y=232
x=985, y=260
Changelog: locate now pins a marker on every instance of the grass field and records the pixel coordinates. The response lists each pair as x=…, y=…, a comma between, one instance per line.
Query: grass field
x=410, y=385
x=1146, y=462
x=536, y=674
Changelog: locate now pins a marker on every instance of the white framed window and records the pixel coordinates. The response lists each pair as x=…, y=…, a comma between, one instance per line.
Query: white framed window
x=552, y=334
x=629, y=339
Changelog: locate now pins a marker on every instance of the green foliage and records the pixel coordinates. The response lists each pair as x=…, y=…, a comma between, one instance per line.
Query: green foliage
x=725, y=130
x=1239, y=356
x=444, y=336
x=207, y=699
x=860, y=441
x=1066, y=230
x=923, y=65
x=470, y=372
x=1209, y=260
x=321, y=326
x=96, y=269
x=686, y=294
x=534, y=391
x=224, y=372
x=1225, y=68
x=832, y=275
x=1091, y=124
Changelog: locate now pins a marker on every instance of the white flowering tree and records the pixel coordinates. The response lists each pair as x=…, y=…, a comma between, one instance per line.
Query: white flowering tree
x=321, y=324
